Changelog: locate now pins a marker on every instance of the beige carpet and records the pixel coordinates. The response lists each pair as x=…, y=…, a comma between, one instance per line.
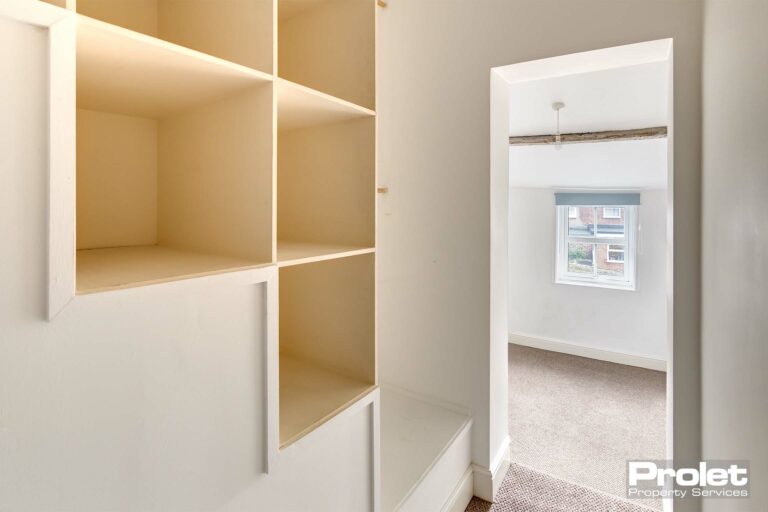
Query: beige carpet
x=579, y=420
x=526, y=490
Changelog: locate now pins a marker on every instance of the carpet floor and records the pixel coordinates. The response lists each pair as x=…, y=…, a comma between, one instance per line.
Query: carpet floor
x=526, y=490
x=575, y=422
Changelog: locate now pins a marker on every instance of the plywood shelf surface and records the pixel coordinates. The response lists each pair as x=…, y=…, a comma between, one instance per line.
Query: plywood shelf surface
x=414, y=434
x=301, y=107
x=287, y=9
x=126, y=72
x=311, y=395
x=296, y=253
x=126, y=267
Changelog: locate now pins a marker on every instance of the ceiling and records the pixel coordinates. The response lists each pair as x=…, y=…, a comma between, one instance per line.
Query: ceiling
x=607, y=99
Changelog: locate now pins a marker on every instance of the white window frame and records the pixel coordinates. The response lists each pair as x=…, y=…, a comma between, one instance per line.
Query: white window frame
x=629, y=241
x=606, y=209
x=573, y=212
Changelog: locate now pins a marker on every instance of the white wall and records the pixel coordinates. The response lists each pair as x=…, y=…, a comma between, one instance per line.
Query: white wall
x=434, y=234
x=631, y=322
x=735, y=245
x=140, y=400
x=618, y=164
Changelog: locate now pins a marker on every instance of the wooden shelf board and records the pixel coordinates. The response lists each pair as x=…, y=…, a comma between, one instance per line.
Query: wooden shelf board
x=311, y=395
x=296, y=253
x=127, y=267
x=414, y=434
x=125, y=72
x=301, y=107
x=287, y=9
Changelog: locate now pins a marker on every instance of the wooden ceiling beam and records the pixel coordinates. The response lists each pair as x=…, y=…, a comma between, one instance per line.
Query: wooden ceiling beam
x=655, y=132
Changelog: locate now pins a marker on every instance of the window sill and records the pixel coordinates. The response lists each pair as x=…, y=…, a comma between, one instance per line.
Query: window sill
x=597, y=284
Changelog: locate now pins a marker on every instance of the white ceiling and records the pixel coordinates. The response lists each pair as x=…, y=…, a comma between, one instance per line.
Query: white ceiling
x=607, y=99
x=629, y=164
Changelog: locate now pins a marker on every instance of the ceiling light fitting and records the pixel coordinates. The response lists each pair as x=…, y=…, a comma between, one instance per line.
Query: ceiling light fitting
x=556, y=106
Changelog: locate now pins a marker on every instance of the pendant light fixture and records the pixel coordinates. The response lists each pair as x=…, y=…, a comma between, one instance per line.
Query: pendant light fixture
x=557, y=106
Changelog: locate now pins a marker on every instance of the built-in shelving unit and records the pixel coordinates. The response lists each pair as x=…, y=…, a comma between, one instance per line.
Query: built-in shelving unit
x=199, y=152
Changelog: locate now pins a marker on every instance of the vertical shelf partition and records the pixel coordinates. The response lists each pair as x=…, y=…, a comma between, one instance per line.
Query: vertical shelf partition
x=184, y=171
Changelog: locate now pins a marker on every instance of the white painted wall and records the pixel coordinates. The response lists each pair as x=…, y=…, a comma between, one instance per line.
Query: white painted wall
x=735, y=243
x=434, y=237
x=148, y=399
x=638, y=164
x=630, y=322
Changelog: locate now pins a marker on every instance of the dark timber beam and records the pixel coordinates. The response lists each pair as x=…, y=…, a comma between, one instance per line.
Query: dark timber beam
x=655, y=132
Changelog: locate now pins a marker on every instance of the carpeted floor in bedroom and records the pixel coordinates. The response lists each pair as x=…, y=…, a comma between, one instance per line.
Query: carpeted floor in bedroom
x=574, y=422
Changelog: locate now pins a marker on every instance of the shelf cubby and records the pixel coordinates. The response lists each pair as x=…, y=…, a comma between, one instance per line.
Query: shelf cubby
x=327, y=341
x=239, y=31
x=325, y=188
x=329, y=45
x=174, y=163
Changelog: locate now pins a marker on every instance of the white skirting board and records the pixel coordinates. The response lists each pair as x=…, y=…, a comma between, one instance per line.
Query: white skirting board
x=486, y=481
x=577, y=349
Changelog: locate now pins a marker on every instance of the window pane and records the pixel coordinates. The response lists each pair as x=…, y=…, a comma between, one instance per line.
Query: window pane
x=582, y=223
x=610, y=222
x=580, y=258
x=610, y=260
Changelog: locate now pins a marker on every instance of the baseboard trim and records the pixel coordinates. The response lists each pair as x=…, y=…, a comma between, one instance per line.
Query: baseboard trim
x=461, y=494
x=487, y=481
x=577, y=349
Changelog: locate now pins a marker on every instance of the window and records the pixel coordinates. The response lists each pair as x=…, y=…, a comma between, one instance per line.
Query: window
x=615, y=253
x=596, y=244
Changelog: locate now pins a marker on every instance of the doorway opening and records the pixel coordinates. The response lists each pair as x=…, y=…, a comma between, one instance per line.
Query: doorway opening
x=588, y=268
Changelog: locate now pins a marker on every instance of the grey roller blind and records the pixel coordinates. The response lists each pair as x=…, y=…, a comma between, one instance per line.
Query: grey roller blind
x=597, y=199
